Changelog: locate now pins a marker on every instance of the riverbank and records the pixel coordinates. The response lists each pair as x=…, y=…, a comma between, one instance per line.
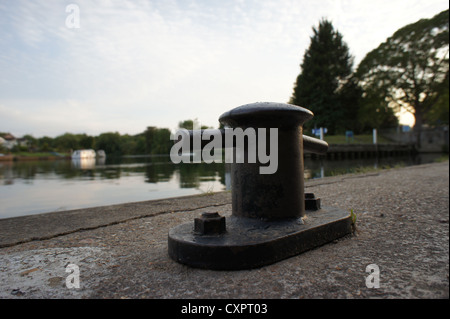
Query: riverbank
x=34, y=157
x=352, y=150
x=121, y=250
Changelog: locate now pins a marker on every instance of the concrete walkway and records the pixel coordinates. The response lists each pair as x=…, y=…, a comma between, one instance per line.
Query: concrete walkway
x=121, y=251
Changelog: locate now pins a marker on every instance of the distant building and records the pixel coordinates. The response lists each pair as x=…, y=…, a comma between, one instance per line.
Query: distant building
x=8, y=141
x=432, y=139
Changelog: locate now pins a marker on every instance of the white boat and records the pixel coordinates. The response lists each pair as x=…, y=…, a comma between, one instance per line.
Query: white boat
x=101, y=153
x=78, y=154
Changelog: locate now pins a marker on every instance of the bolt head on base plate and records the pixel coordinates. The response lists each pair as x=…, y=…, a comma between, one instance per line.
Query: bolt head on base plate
x=250, y=243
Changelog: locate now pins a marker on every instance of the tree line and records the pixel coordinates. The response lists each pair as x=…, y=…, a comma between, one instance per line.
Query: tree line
x=409, y=70
x=152, y=141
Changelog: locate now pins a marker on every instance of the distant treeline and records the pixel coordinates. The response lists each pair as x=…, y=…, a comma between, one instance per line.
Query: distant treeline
x=152, y=141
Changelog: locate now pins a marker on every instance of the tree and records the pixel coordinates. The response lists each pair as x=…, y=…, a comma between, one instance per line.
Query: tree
x=410, y=69
x=149, y=134
x=186, y=124
x=162, y=141
x=157, y=140
x=439, y=112
x=374, y=112
x=45, y=144
x=325, y=70
x=110, y=143
x=86, y=141
x=31, y=142
x=66, y=142
x=139, y=147
x=191, y=125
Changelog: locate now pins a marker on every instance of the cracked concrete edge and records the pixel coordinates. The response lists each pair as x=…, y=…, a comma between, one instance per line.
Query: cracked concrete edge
x=18, y=230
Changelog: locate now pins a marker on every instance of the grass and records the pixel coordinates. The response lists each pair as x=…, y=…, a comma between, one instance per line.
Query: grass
x=364, y=169
x=37, y=154
x=441, y=159
x=358, y=139
x=353, y=218
x=209, y=191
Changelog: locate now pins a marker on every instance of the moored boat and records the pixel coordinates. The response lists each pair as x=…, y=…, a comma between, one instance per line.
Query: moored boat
x=87, y=153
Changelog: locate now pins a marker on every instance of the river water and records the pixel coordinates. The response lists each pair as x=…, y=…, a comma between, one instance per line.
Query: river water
x=33, y=187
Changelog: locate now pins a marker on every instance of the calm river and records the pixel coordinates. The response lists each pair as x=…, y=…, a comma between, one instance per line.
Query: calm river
x=33, y=187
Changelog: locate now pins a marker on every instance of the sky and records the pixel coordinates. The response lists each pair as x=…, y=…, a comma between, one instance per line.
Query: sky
x=95, y=66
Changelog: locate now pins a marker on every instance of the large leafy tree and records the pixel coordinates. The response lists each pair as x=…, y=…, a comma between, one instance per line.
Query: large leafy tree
x=109, y=142
x=66, y=142
x=157, y=140
x=410, y=69
x=439, y=112
x=325, y=70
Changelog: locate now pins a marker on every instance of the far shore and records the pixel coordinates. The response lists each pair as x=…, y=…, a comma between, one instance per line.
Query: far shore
x=32, y=157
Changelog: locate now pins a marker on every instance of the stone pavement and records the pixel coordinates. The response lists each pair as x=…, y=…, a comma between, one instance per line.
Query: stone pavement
x=120, y=251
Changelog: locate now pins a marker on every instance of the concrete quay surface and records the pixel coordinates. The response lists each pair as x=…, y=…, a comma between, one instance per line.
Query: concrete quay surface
x=120, y=251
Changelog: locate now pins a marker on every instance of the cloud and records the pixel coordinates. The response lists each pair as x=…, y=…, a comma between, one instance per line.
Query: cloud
x=138, y=63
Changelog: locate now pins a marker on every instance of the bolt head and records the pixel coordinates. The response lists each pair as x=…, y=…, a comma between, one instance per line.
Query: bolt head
x=312, y=204
x=210, y=223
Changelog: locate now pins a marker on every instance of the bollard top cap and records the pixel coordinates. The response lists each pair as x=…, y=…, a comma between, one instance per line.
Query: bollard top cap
x=266, y=114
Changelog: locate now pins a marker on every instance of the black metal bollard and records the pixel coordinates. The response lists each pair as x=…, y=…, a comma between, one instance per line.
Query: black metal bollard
x=269, y=220
x=281, y=194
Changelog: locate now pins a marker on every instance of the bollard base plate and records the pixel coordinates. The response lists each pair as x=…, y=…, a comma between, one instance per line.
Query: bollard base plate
x=249, y=243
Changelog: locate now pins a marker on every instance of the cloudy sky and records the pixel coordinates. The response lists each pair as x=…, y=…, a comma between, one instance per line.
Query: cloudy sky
x=93, y=66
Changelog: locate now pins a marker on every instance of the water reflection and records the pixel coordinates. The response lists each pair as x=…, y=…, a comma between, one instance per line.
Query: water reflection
x=320, y=168
x=83, y=163
x=29, y=187
x=159, y=169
